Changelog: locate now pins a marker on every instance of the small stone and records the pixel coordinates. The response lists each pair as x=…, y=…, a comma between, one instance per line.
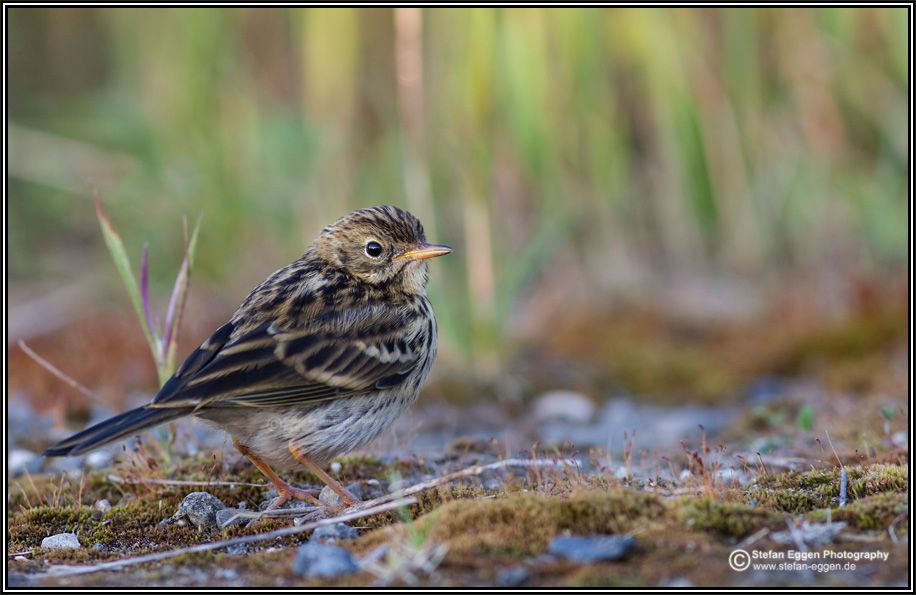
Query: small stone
x=99, y=459
x=333, y=533
x=61, y=541
x=513, y=576
x=200, y=509
x=564, y=404
x=596, y=548
x=229, y=517
x=102, y=505
x=329, y=497
x=324, y=561
x=101, y=548
x=20, y=461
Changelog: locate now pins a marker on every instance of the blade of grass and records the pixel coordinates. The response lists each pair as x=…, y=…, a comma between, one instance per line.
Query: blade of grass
x=144, y=290
x=122, y=263
x=177, y=302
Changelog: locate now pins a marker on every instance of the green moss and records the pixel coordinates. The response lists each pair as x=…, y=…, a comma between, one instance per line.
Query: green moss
x=28, y=528
x=731, y=519
x=797, y=491
x=845, y=340
x=663, y=369
x=871, y=513
x=522, y=524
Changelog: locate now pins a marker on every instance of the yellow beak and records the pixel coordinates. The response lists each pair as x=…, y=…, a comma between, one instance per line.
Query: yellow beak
x=424, y=251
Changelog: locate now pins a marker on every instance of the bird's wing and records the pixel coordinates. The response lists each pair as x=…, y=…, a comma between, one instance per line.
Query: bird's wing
x=350, y=352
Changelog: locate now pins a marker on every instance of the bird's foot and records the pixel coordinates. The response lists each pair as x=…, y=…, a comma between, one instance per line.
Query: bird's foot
x=287, y=492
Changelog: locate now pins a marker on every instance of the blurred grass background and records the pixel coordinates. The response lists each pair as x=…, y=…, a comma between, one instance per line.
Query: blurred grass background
x=577, y=154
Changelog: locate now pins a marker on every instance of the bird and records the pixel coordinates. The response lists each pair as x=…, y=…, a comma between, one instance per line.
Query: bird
x=318, y=360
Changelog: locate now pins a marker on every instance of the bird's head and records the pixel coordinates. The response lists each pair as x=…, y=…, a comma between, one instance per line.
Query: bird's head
x=381, y=246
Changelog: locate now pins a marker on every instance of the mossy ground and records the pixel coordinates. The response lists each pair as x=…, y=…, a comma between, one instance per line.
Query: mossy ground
x=679, y=537
x=685, y=525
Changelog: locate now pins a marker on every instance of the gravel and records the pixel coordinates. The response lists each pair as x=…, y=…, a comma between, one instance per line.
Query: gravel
x=323, y=561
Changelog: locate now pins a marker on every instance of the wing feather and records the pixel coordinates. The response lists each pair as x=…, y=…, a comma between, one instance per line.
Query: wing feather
x=355, y=352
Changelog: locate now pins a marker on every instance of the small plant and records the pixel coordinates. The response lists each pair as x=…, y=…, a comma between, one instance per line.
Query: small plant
x=163, y=340
x=805, y=418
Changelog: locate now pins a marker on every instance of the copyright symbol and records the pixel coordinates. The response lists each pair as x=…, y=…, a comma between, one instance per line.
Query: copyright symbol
x=739, y=560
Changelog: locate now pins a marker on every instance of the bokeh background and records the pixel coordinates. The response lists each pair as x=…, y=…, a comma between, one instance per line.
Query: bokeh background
x=675, y=203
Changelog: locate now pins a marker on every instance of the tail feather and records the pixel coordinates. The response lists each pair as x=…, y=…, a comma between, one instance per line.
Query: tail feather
x=113, y=429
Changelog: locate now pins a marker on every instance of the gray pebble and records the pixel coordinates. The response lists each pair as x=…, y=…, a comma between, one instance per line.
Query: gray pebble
x=99, y=459
x=19, y=461
x=513, y=576
x=101, y=548
x=564, y=404
x=102, y=505
x=324, y=561
x=333, y=533
x=229, y=517
x=595, y=548
x=200, y=509
x=329, y=497
x=61, y=541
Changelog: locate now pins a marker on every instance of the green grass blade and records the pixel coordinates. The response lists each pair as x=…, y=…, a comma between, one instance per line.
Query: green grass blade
x=179, y=296
x=122, y=264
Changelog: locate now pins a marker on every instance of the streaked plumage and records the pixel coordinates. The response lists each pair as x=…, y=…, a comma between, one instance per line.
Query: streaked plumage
x=319, y=358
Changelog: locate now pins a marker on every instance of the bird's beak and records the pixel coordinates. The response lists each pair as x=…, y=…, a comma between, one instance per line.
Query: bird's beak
x=424, y=251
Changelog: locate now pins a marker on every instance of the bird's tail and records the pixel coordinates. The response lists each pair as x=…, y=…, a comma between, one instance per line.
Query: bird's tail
x=115, y=428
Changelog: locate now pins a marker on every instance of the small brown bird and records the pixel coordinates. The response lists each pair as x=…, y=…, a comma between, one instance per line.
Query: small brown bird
x=317, y=361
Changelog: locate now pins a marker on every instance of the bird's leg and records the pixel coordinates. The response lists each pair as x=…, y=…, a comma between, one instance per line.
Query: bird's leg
x=286, y=492
x=346, y=498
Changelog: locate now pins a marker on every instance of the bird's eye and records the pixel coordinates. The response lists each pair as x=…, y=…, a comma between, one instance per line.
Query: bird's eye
x=373, y=249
